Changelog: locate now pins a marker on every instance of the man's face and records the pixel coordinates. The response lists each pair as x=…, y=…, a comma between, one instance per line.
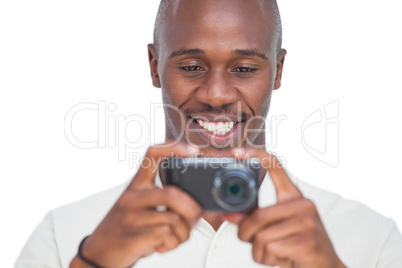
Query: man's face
x=217, y=64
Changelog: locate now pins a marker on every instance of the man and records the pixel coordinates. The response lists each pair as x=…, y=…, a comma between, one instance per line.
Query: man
x=217, y=63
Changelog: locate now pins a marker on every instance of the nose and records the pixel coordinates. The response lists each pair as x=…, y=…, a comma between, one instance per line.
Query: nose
x=216, y=89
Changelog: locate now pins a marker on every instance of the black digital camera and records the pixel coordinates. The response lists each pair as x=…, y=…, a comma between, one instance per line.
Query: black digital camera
x=217, y=184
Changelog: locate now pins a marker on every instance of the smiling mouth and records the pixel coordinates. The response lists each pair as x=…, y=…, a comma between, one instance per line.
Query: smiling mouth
x=217, y=128
x=215, y=133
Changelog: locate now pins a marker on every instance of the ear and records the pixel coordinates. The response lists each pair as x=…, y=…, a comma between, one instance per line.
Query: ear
x=153, y=64
x=279, y=68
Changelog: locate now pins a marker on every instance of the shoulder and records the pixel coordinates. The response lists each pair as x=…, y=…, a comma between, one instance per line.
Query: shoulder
x=55, y=240
x=72, y=222
x=332, y=206
x=357, y=231
x=89, y=207
x=361, y=236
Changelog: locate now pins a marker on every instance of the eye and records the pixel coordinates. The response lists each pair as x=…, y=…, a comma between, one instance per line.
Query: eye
x=193, y=68
x=243, y=70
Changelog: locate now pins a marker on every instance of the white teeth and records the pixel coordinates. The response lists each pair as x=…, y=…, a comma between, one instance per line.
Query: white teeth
x=213, y=127
x=219, y=128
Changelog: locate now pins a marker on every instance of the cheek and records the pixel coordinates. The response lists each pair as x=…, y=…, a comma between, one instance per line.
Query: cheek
x=175, y=91
x=258, y=94
x=174, y=118
x=267, y=87
x=174, y=95
x=266, y=102
x=167, y=96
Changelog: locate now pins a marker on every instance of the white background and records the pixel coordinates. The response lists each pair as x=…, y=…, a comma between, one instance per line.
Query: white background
x=56, y=54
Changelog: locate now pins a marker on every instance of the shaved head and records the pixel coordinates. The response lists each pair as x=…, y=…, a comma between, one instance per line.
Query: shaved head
x=215, y=58
x=271, y=6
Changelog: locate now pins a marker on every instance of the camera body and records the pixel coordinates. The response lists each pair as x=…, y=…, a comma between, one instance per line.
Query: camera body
x=217, y=184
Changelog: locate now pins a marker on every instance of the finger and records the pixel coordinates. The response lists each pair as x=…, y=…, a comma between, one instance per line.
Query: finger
x=169, y=242
x=290, y=248
x=260, y=254
x=285, y=229
x=172, y=197
x=145, y=177
x=146, y=219
x=285, y=263
x=263, y=217
x=285, y=189
x=272, y=260
x=263, y=256
x=158, y=238
x=273, y=233
x=146, y=241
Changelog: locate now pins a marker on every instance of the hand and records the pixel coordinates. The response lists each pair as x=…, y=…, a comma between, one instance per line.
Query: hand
x=134, y=228
x=290, y=233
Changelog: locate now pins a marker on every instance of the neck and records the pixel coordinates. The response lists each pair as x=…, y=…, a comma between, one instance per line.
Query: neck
x=214, y=219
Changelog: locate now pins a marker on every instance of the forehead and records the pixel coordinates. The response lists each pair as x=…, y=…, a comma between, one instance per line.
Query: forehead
x=218, y=25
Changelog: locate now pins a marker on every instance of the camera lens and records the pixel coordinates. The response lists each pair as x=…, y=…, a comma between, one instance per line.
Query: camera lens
x=234, y=190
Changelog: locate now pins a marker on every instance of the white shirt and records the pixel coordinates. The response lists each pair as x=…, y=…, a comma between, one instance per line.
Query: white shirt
x=362, y=238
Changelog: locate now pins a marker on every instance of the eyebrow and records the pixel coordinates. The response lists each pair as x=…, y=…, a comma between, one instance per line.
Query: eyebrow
x=197, y=51
x=251, y=52
x=184, y=51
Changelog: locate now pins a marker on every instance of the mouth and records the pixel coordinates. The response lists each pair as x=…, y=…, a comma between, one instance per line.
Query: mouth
x=218, y=134
x=217, y=128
